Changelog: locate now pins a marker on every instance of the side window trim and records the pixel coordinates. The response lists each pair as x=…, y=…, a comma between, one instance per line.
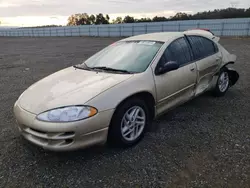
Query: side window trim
x=214, y=45
x=190, y=47
x=190, y=50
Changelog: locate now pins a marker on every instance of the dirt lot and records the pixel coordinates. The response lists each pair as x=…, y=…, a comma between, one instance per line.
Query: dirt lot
x=204, y=143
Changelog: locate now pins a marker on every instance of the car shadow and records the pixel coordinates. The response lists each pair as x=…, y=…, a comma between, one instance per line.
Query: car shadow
x=81, y=154
x=171, y=114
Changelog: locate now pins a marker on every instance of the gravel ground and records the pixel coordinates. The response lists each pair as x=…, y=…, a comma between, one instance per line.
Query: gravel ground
x=203, y=143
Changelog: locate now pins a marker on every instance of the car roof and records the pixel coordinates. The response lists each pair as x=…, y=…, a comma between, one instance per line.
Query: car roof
x=161, y=37
x=165, y=36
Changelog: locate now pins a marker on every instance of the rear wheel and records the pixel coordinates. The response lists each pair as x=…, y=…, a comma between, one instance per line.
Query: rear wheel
x=222, y=84
x=129, y=123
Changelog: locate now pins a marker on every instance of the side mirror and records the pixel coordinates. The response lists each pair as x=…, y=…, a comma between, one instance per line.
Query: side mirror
x=167, y=67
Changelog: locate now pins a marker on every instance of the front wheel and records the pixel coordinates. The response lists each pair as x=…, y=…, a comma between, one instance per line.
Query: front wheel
x=222, y=84
x=129, y=123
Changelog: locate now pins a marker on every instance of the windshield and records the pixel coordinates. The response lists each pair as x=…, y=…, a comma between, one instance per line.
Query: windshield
x=131, y=56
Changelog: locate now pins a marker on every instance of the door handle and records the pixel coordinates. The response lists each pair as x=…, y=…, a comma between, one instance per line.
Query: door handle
x=192, y=69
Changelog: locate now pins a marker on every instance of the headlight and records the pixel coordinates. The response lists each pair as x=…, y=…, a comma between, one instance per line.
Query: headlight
x=67, y=114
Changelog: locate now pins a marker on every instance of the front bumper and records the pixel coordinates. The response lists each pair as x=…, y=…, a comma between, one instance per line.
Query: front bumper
x=63, y=136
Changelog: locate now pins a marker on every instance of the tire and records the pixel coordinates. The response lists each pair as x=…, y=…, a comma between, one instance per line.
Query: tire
x=222, y=86
x=117, y=134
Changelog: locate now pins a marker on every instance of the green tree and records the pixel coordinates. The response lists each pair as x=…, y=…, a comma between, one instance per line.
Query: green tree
x=100, y=19
x=72, y=20
x=85, y=19
x=247, y=12
x=159, y=19
x=180, y=16
x=143, y=20
x=107, y=17
x=118, y=20
x=92, y=19
x=79, y=19
x=222, y=13
x=129, y=19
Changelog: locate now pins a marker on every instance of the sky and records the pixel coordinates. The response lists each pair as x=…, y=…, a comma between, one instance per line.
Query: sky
x=46, y=12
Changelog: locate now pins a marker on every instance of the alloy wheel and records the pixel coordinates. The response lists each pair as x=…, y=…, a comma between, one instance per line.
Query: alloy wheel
x=133, y=123
x=223, y=82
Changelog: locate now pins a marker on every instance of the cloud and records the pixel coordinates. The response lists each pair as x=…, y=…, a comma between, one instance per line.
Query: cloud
x=138, y=8
x=66, y=7
x=33, y=20
x=7, y=5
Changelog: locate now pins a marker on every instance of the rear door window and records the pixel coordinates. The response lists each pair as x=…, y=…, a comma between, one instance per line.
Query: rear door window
x=202, y=47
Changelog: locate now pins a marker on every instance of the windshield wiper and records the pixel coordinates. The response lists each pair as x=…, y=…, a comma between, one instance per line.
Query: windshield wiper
x=111, y=69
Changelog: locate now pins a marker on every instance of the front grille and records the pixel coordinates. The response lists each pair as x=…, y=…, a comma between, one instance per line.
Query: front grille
x=58, y=143
x=48, y=138
x=41, y=132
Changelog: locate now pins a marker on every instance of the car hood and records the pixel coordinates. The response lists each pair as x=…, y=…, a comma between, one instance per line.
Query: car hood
x=69, y=86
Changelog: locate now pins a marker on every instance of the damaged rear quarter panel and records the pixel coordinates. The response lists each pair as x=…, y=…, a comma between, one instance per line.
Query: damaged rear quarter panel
x=227, y=59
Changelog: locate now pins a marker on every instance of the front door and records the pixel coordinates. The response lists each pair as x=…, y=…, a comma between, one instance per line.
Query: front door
x=176, y=86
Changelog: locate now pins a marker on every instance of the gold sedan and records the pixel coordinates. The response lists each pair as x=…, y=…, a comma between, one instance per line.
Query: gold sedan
x=115, y=94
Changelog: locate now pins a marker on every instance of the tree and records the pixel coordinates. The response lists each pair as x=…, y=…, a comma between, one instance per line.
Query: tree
x=85, y=19
x=129, y=19
x=159, y=19
x=79, y=19
x=180, y=16
x=92, y=19
x=247, y=13
x=222, y=13
x=72, y=20
x=100, y=19
x=143, y=20
x=107, y=17
x=118, y=20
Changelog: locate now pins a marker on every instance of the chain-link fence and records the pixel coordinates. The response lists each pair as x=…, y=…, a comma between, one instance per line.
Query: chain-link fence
x=223, y=27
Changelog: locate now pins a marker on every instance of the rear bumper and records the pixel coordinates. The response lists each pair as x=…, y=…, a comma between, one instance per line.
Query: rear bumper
x=63, y=136
x=233, y=76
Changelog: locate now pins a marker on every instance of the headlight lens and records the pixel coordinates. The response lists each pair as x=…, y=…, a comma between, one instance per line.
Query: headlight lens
x=67, y=114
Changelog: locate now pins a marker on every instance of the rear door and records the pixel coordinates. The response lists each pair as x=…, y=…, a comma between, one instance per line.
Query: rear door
x=207, y=58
